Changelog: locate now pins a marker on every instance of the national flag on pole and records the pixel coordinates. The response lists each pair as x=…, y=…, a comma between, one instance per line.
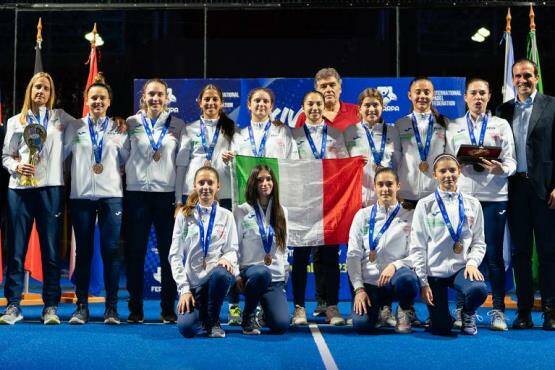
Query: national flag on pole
x=321, y=196
x=33, y=261
x=532, y=49
x=38, y=48
x=93, y=68
x=508, y=87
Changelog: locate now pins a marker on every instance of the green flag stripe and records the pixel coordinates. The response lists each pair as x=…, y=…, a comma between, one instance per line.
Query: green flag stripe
x=244, y=166
x=533, y=54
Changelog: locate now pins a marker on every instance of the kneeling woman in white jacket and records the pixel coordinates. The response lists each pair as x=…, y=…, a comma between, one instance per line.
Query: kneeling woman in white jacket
x=447, y=246
x=262, y=231
x=203, y=257
x=377, y=257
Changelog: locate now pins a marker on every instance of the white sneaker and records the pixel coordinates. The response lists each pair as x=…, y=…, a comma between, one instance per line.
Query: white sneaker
x=333, y=316
x=299, y=316
x=498, y=320
x=11, y=315
x=386, y=318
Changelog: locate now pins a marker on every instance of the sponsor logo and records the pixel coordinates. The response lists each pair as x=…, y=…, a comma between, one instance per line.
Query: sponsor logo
x=158, y=275
x=173, y=99
x=388, y=97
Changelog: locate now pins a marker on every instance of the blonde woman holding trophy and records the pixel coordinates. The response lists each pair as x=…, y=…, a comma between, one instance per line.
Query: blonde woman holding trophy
x=32, y=154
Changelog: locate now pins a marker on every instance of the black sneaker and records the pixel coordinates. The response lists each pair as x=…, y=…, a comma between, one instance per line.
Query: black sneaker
x=80, y=316
x=216, y=331
x=136, y=317
x=250, y=326
x=111, y=316
x=11, y=315
x=320, y=310
x=168, y=317
x=50, y=316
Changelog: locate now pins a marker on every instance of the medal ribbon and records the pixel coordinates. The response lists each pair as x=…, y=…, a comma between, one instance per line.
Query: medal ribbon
x=471, y=129
x=373, y=243
x=205, y=239
x=97, y=144
x=423, y=150
x=462, y=217
x=267, y=238
x=260, y=151
x=31, y=118
x=149, y=132
x=209, y=150
x=378, y=156
x=322, y=154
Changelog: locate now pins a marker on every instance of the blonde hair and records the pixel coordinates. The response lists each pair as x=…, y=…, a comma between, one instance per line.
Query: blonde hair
x=27, y=99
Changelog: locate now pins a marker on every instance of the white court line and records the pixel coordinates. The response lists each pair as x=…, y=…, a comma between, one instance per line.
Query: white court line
x=325, y=353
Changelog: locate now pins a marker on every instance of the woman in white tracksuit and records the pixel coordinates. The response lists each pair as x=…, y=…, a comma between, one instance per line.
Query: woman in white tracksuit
x=447, y=246
x=317, y=140
x=263, y=258
x=203, y=257
x=378, y=260
x=422, y=138
x=40, y=202
x=208, y=142
x=487, y=181
x=260, y=138
x=154, y=141
x=99, y=155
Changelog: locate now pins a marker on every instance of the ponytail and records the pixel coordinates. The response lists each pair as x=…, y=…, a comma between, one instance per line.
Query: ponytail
x=190, y=204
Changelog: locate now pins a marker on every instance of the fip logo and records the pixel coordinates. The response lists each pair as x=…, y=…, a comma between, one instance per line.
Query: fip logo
x=388, y=96
x=173, y=99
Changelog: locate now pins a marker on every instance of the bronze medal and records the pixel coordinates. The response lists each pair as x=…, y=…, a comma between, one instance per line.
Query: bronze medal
x=372, y=255
x=268, y=259
x=423, y=166
x=156, y=156
x=207, y=163
x=98, y=168
x=458, y=247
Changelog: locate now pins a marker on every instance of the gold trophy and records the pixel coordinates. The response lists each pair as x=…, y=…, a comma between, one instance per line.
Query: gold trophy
x=34, y=136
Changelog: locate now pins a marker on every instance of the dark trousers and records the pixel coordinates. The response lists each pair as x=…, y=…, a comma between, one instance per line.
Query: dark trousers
x=529, y=216
x=83, y=219
x=403, y=285
x=209, y=297
x=259, y=288
x=142, y=209
x=44, y=205
x=326, y=267
x=495, y=218
x=473, y=292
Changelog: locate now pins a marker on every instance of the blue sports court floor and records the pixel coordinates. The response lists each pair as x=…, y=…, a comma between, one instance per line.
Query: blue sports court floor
x=31, y=345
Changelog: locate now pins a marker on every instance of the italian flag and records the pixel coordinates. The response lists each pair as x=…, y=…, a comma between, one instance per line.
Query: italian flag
x=321, y=196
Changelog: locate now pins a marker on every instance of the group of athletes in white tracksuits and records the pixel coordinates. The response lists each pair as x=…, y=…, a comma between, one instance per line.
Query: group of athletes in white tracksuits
x=164, y=160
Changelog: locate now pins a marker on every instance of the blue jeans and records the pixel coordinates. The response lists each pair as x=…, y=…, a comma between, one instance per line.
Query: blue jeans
x=209, y=297
x=473, y=292
x=83, y=219
x=495, y=218
x=259, y=288
x=403, y=285
x=45, y=206
x=142, y=209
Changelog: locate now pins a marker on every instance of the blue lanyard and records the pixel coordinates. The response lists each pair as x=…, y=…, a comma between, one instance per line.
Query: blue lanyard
x=32, y=118
x=462, y=217
x=209, y=150
x=471, y=130
x=423, y=150
x=267, y=239
x=149, y=132
x=97, y=146
x=373, y=243
x=205, y=239
x=260, y=151
x=322, y=154
x=378, y=156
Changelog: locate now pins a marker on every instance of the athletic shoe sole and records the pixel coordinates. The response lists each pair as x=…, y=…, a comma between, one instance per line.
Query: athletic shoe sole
x=111, y=321
x=75, y=321
x=52, y=321
x=5, y=321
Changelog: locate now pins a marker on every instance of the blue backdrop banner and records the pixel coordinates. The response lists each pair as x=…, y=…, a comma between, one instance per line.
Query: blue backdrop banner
x=183, y=93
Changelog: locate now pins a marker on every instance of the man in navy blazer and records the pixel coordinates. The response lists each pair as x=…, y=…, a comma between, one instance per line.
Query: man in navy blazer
x=531, y=192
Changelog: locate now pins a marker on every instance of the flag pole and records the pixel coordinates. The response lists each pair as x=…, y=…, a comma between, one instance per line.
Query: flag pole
x=532, y=16
x=508, y=20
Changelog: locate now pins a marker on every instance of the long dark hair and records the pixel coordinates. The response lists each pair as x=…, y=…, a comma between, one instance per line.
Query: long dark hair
x=440, y=118
x=228, y=126
x=192, y=198
x=277, y=218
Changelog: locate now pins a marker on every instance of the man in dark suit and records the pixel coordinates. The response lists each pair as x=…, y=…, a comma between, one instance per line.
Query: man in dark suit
x=531, y=192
